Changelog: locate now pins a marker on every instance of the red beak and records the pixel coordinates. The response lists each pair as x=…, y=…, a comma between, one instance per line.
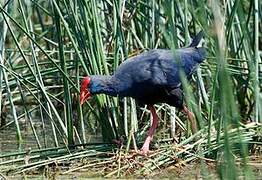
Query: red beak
x=84, y=96
x=84, y=93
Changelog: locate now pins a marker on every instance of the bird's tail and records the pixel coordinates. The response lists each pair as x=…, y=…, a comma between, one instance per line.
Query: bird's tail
x=197, y=39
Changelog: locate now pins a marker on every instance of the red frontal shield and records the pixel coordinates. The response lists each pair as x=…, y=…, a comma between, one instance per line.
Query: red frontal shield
x=84, y=92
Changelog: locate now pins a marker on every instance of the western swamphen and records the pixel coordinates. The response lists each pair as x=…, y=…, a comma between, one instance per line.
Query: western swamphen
x=151, y=77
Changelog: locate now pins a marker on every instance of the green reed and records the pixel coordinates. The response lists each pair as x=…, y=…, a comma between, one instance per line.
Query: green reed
x=48, y=46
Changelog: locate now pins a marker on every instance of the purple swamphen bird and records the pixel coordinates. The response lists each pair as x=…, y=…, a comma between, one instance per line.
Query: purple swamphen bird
x=151, y=77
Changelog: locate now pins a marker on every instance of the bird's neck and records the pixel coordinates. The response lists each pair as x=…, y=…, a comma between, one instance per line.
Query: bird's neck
x=103, y=85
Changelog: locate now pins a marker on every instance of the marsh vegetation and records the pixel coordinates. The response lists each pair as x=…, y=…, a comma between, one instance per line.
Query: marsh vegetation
x=46, y=47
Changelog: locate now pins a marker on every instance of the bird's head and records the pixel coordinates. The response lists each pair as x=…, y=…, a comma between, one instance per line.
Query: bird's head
x=84, y=91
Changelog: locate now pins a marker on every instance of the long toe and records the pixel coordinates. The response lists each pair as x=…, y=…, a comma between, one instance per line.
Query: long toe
x=144, y=150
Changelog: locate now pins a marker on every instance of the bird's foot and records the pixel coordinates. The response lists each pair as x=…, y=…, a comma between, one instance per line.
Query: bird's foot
x=144, y=150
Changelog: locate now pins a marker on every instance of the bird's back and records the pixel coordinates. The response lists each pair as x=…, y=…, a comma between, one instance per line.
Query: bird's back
x=150, y=75
x=153, y=75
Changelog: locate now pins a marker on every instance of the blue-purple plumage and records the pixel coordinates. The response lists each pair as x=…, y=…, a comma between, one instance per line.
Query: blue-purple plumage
x=152, y=76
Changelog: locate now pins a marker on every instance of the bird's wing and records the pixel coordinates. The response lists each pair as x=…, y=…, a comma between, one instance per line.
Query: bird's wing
x=147, y=68
x=160, y=67
x=190, y=58
x=185, y=59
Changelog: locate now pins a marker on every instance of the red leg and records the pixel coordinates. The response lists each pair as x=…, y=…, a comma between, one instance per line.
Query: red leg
x=191, y=118
x=145, y=148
